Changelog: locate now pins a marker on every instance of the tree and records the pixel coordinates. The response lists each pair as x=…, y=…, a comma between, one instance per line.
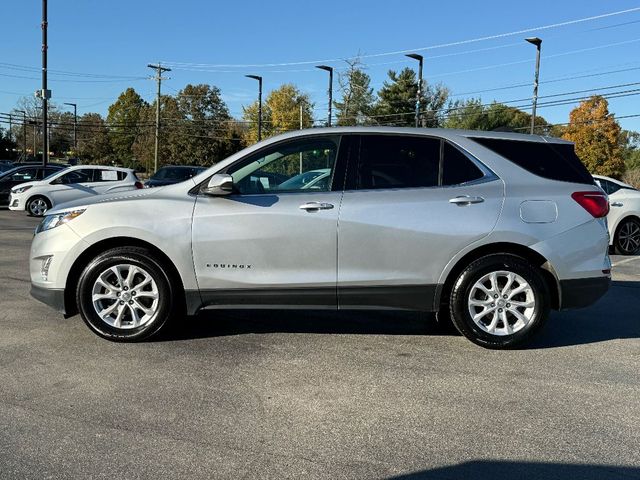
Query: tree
x=596, y=135
x=630, y=144
x=397, y=100
x=280, y=113
x=94, y=145
x=33, y=108
x=472, y=114
x=357, y=96
x=124, y=124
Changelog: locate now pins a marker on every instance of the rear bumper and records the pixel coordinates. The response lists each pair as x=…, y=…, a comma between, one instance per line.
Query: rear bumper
x=582, y=292
x=49, y=296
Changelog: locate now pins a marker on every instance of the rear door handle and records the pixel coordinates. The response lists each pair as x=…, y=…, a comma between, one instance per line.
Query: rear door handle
x=313, y=206
x=466, y=200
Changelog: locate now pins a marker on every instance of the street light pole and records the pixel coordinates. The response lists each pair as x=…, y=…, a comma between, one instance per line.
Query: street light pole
x=75, y=128
x=538, y=43
x=259, y=79
x=420, y=60
x=330, y=70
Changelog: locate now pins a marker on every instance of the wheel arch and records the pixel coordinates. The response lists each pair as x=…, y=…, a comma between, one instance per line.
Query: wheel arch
x=522, y=251
x=73, y=277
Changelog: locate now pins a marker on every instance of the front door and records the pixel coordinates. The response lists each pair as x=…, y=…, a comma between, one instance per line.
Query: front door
x=72, y=185
x=410, y=204
x=273, y=240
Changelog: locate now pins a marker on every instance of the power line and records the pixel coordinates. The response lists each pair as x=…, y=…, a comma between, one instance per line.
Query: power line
x=431, y=47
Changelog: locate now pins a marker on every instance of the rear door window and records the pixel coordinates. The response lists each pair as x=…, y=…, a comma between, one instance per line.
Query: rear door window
x=555, y=161
x=397, y=162
x=457, y=167
x=105, y=175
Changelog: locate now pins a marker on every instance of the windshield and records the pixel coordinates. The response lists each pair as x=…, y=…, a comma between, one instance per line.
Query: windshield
x=8, y=172
x=174, y=173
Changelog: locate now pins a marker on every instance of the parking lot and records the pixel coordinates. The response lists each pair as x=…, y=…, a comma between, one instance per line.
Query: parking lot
x=275, y=394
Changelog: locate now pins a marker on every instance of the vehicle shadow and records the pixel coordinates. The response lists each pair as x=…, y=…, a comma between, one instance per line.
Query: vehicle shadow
x=614, y=316
x=510, y=470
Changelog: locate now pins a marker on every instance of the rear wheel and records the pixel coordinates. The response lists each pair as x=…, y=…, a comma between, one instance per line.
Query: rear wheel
x=499, y=301
x=125, y=295
x=38, y=206
x=627, y=238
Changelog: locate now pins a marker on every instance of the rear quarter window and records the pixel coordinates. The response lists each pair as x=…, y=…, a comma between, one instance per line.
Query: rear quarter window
x=555, y=161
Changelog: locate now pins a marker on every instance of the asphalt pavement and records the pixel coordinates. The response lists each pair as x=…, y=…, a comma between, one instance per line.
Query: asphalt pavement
x=281, y=394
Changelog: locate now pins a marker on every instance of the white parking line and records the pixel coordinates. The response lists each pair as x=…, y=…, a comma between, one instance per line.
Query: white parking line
x=626, y=260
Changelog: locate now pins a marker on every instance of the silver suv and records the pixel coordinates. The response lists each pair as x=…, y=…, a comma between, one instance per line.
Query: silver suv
x=489, y=230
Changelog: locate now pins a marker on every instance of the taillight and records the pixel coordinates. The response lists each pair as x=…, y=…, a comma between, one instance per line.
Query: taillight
x=139, y=185
x=596, y=203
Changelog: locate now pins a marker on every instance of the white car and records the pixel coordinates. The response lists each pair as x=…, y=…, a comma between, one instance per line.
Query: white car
x=70, y=184
x=624, y=216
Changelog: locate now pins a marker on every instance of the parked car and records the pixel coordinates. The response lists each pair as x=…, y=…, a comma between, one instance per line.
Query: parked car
x=624, y=217
x=489, y=229
x=172, y=174
x=21, y=174
x=36, y=197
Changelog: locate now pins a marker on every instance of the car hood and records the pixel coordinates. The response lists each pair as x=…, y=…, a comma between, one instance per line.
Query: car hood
x=108, y=198
x=27, y=184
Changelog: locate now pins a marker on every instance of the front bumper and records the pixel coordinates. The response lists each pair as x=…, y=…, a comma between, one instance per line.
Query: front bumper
x=49, y=296
x=582, y=292
x=15, y=202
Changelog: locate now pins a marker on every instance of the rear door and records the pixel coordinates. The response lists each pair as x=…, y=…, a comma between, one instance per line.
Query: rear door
x=411, y=204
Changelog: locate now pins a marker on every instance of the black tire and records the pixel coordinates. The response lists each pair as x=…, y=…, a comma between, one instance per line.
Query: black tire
x=626, y=241
x=462, y=288
x=168, y=294
x=33, y=201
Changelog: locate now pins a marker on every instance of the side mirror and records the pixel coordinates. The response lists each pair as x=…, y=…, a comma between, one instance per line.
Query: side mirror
x=219, y=184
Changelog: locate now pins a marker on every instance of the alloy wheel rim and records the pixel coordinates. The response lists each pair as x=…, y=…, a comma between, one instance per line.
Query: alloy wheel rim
x=125, y=296
x=38, y=206
x=629, y=236
x=501, y=303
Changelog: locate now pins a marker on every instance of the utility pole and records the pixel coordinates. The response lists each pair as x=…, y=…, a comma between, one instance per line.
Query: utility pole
x=538, y=43
x=159, y=70
x=24, y=134
x=75, y=128
x=44, y=93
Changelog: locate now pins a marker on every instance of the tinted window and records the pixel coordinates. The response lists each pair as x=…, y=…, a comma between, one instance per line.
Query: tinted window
x=77, y=176
x=555, y=161
x=302, y=165
x=457, y=168
x=398, y=162
x=607, y=186
x=45, y=172
x=24, y=175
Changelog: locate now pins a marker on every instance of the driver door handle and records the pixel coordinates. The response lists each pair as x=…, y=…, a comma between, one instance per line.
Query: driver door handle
x=466, y=200
x=313, y=206
x=617, y=204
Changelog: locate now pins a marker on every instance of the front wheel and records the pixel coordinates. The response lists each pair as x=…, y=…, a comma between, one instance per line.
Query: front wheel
x=125, y=295
x=627, y=238
x=499, y=301
x=38, y=206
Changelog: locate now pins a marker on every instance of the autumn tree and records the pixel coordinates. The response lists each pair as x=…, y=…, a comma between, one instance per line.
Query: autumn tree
x=596, y=135
x=280, y=113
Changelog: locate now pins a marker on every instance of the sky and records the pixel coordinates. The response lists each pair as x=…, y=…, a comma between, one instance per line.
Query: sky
x=99, y=48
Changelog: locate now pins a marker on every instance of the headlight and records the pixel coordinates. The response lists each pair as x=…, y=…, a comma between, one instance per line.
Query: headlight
x=52, y=221
x=21, y=189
